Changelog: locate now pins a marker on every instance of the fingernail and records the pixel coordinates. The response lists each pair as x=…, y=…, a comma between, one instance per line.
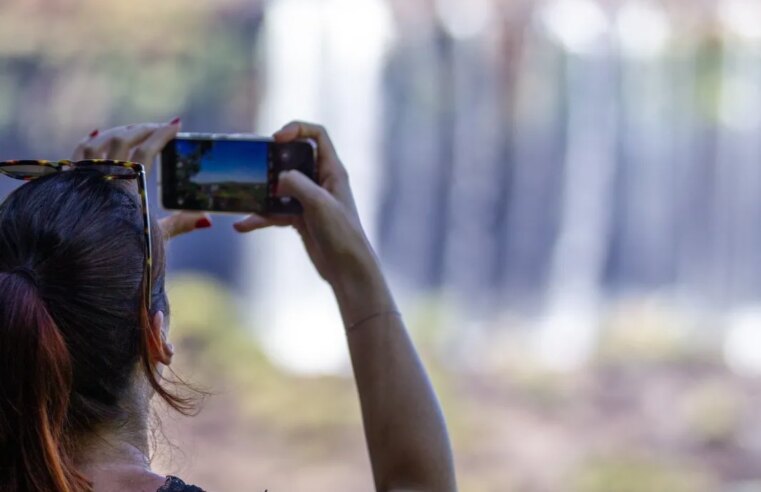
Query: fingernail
x=94, y=133
x=203, y=223
x=175, y=121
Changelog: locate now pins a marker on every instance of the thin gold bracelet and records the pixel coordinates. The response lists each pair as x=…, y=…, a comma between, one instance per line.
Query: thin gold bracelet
x=391, y=312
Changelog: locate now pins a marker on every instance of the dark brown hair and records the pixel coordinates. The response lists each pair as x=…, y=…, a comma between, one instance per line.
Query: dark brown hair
x=73, y=322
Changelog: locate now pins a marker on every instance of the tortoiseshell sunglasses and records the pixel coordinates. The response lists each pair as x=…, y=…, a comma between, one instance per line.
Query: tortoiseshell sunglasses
x=28, y=170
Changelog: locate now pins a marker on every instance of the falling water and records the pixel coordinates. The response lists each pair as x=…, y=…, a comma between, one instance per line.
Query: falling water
x=323, y=65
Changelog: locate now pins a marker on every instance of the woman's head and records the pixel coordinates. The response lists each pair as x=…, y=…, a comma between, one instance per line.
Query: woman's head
x=75, y=337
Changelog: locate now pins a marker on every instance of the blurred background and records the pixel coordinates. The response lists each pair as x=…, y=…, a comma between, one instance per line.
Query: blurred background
x=566, y=195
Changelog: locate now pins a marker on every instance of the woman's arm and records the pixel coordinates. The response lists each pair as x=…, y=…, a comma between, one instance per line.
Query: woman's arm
x=405, y=430
x=404, y=427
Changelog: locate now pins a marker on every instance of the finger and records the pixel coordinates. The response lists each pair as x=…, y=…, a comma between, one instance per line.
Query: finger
x=114, y=143
x=79, y=151
x=255, y=221
x=121, y=142
x=300, y=129
x=299, y=186
x=147, y=151
x=183, y=223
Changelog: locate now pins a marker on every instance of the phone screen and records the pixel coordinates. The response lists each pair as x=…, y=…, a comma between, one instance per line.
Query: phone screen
x=231, y=175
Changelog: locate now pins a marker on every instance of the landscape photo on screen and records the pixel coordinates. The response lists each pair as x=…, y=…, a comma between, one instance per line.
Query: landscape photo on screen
x=224, y=175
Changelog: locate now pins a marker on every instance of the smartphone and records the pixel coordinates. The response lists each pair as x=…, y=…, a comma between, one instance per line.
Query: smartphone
x=231, y=173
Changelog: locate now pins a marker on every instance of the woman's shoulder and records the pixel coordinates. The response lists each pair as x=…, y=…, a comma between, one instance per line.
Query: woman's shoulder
x=174, y=484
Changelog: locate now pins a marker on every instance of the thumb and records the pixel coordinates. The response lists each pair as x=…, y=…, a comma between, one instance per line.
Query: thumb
x=183, y=222
x=299, y=186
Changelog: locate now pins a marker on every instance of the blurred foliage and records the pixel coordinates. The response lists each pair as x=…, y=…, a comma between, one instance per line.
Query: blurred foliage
x=214, y=347
x=714, y=412
x=631, y=474
x=68, y=66
x=647, y=332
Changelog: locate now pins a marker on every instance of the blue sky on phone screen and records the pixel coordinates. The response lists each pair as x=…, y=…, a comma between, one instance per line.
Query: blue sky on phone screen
x=230, y=160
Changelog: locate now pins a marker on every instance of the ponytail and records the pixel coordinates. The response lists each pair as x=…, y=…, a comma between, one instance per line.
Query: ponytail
x=35, y=388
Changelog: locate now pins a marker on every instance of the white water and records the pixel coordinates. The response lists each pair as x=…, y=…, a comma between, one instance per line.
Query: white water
x=324, y=59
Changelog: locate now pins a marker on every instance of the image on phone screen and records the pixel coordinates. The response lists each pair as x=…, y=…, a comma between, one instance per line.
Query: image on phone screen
x=231, y=175
x=222, y=175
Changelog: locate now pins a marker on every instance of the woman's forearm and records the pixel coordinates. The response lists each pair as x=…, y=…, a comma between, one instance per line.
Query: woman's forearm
x=404, y=427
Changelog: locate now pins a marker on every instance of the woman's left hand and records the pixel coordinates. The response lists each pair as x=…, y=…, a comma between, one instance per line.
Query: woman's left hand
x=141, y=143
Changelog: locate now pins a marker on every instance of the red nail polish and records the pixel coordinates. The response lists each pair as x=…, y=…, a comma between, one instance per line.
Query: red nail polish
x=175, y=121
x=203, y=223
x=94, y=133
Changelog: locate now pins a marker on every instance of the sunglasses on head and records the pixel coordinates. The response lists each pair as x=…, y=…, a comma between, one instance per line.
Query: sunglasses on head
x=29, y=170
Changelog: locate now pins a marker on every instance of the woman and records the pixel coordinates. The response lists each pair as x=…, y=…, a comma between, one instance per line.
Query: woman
x=83, y=345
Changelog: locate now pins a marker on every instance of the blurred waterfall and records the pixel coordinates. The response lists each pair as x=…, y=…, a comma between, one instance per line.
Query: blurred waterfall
x=595, y=156
x=537, y=159
x=580, y=252
x=323, y=65
x=739, y=171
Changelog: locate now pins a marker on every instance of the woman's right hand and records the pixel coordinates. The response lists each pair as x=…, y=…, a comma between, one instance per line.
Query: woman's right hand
x=329, y=227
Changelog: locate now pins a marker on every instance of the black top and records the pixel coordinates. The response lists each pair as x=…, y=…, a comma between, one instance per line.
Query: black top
x=174, y=484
